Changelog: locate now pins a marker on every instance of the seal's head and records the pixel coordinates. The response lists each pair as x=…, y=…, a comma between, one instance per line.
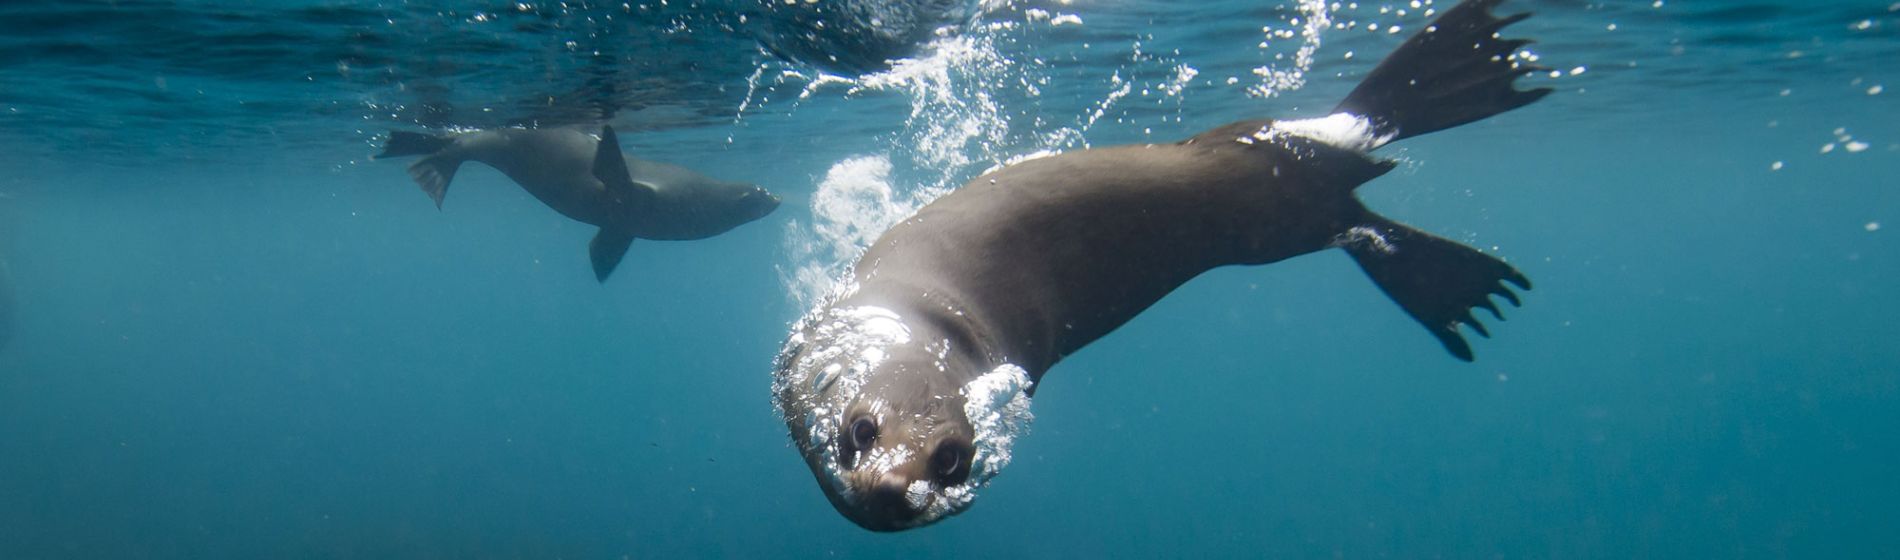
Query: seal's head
x=726, y=205
x=753, y=201
x=894, y=419
x=693, y=206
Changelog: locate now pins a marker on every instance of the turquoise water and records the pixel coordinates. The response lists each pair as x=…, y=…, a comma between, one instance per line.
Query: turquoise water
x=233, y=335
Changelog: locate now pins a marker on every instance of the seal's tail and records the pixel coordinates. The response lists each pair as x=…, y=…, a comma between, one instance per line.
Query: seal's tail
x=1435, y=280
x=1456, y=71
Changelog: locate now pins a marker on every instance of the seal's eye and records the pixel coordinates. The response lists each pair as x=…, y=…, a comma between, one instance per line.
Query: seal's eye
x=863, y=432
x=949, y=464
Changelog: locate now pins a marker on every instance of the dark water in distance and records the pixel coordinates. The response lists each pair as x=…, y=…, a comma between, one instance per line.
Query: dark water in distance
x=233, y=335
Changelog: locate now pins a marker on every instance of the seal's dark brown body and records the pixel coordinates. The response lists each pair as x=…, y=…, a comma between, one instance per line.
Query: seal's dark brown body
x=1051, y=254
x=883, y=385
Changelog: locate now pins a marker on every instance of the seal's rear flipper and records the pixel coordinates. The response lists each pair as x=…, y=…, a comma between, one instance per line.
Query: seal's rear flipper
x=433, y=174
x=1456, y=71
x=606, y=250
x=1437, y=281
x=412, y=144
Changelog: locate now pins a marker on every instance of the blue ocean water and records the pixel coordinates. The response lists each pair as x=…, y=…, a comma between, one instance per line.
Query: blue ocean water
x=230, y=334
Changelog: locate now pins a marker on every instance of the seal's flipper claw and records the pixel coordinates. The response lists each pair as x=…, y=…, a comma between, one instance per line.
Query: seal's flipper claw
x=1456, y=71
x=1435, y=280
x=606, y=250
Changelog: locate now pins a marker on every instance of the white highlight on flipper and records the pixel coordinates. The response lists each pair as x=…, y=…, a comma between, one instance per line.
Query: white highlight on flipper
x=1340, y=130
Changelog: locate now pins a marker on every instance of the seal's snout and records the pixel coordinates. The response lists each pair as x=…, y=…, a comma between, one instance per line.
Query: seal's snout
x=881, y=504
x=761, y=202
x=885, y=506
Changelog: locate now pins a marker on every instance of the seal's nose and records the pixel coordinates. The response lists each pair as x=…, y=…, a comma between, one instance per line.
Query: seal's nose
x=883, y=505
x=763, y=200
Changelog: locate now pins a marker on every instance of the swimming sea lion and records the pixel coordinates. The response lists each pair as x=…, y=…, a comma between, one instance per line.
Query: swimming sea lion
x=591, y=181
x=905, y=390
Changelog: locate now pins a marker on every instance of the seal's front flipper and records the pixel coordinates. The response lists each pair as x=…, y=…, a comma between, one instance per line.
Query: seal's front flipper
x=610, y=167
x=606, y=250
x=1457, y=70
x=1437, y=281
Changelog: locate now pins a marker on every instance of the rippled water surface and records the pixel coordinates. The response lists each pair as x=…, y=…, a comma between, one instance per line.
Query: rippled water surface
x=225, y=331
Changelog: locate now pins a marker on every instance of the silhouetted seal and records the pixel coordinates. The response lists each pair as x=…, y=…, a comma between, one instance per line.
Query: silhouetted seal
x=905, y=390
x=589, y=180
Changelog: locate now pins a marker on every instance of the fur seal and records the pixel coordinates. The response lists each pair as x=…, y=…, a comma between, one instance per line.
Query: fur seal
x=591, y=181
x=905, y=390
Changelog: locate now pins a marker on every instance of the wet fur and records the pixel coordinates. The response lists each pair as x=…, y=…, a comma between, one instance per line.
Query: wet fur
x=1028, y=264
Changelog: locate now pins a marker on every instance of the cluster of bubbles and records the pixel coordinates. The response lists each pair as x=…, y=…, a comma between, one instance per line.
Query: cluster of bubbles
x=987, y=87
x=957, y=89
x=974, y=93
x=1315, y=18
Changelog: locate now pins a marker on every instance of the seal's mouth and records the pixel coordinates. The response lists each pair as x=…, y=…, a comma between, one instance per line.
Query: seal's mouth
x=883, y=502
x=761, y=201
